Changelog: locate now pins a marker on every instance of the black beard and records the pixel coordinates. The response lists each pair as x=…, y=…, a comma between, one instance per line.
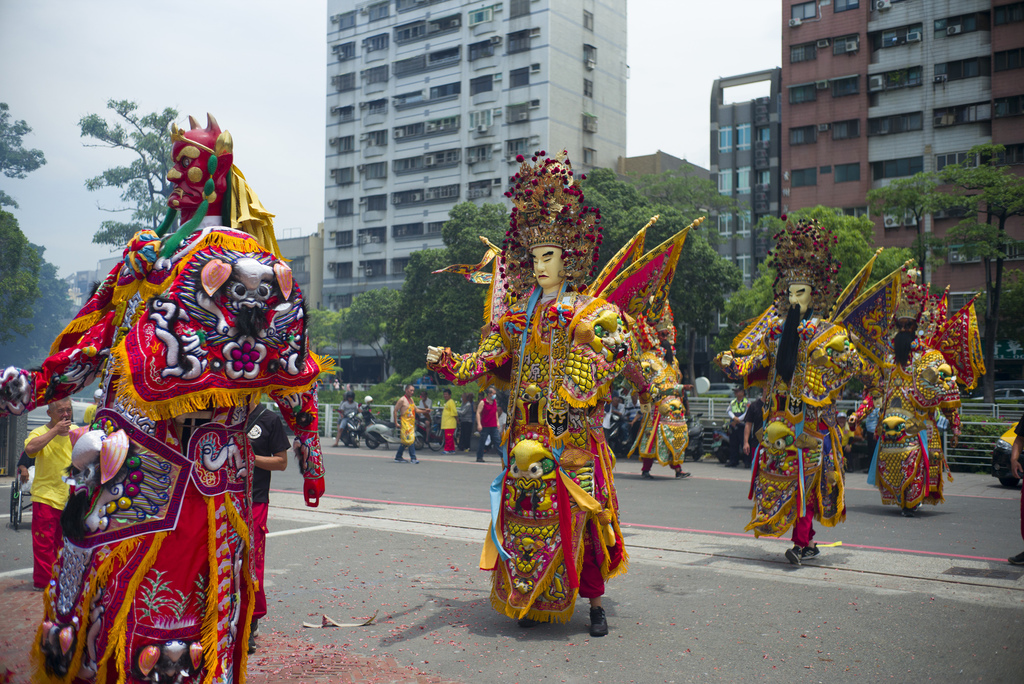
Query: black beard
x=789, y=345
x=902, y=346
x=669, y=356
x=250, y=322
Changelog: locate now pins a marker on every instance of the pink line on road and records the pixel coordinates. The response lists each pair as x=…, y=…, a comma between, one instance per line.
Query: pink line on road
x=661, y=527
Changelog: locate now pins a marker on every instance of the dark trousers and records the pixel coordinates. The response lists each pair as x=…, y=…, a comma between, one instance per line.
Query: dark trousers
x=465, y=432
x=736, y=445
x=495, y=440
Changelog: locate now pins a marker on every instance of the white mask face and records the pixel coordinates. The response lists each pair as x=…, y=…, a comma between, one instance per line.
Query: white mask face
x=548, y=267
x=800, y=295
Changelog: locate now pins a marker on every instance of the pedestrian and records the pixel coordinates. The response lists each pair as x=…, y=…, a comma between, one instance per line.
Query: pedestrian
x=487, y=422
x=424, y=403
x=50, y=447
x=449, y=421
x=347, y=406
x=405, y=416
x=465, y=422
x=753, y=419
x=737, y=413
x=1017, y=470
x=270, y=445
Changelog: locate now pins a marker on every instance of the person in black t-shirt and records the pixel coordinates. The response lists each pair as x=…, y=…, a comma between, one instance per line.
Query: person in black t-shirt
x=1017, y=470
x=752, y=422
x=270, y=445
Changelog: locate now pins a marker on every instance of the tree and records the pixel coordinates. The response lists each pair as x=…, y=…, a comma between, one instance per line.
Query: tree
x=373, y=320
x=19, y=279
x=1011, y=308
x=914, y=197
x=992, y=194
x=15, y=160
x=143, y=183
x=51, y=311
x=325, y=329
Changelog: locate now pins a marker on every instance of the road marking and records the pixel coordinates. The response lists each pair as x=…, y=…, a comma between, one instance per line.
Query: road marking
x=314, y=528
x=14, y=573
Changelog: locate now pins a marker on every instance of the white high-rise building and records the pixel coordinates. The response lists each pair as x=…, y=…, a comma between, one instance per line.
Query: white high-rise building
x=430, y=101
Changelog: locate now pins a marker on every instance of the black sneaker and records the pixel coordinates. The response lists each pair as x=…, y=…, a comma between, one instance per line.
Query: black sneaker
x=810, y=552
x=598, y=622
x=252, y=640
x=646, y=474
x=481, y=460
x=527, y=623
x=907, y=512
x=400, y=460
x=1018, y=559
x=794, y=554
x=680, y=473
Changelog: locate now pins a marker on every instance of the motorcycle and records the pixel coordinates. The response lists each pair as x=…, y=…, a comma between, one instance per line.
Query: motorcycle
x=695, y=432
x=718, y=446
x=354, y=430
x=379, y=432
x=617, y=435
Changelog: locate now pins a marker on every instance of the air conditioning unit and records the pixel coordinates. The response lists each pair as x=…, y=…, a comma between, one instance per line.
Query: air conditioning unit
x=369, y=272
x=954, y=30
x=882, y=5
x=482, y=128
x=913, y=36
x=399, y=133
x=824, y=127
x=496, y=77
x=891, y=221
x=535, y=32
x=941, y=78
x=334, y=141
x=591, y=64
x=361, y=168
x=495, y=40
x=332, y=203
x=793, y=23
x=824, y=42
x=364, y=105
x=429, y=161
x=335, y=18
x=535, y=68
x=521, y=116
x=876, y=83
x=534, y=104
x=852, y=45
x=821, y=85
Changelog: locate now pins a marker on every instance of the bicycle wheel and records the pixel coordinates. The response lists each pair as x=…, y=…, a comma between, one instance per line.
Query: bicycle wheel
x=436, y=440
x=15, y=503
x=420, y=440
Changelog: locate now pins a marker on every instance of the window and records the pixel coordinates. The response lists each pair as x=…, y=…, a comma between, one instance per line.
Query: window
x=519, y=77
x=343, y=270
x=896, y=123
x=342, y=176
x=1013, y=154
x=374, y=203
x=374, y=43
x=344, y=207
x=847, y=173
x=804, y=10
x=407, y=197
x=398, y=265
x=801, y=178
x=966, y=23
x=805, y=52
x=517, y=113
x=443, y=158
x=825, y=170
x=764, y=134
x=588, y=20
x=590, y=56
x=343, y=238
x=405, y=231
x=409, y=32
x=1008, y=14
x=844, y=5
x=725, y=225
x=447, y=90
x=345, y=143
x=345, y=51
x=346, y=113
x=743, y=136
x=725, y=139
x=844, y=130
x=900, y=78
x=589, y=155
x=517, y=146
x=588, y=88
x=441, y=193
x=434, y=228
x=519, y=8
x=764, y=177
x=481, y=84
x=725, y=182
x=478, y=153
x=377, y=139
x=802, y=93
x=443, y=58
x=376, y=74
x=1009, y=59
x=479, y=189
x=842, y=45
x=743, y=180
x=803, y=135
x=944, y=160
x=376, y=170
x=484, y=48
x=964, y=68
x=842, y=87
x=962, y=114
x=519, y=41
x=407, y=165
x=446, y=124
x=480, y=117
x=896, y=168
x=895, y=37
x=408, y=131
x=378, y=11
x=344, y=82
x=481, y=15
x=408, y=99
x=340, y=301
x=374, y=268
x=743, y=262
x=743, y=224
x=1009, y=106
x=346, y=20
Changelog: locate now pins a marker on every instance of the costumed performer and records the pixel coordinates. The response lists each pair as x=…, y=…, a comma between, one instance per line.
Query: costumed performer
x=155, y=582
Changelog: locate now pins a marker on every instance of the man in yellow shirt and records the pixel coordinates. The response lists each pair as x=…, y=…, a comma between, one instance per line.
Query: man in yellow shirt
x=449, y=421
x=50, y=447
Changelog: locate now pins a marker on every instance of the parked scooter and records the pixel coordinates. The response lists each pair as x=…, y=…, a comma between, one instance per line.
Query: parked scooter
x=719, y=446
x=695, y=432
x=353, y=431
x=376, y=431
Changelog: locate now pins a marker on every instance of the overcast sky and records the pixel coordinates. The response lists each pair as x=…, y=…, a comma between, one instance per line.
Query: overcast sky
x=260, y=67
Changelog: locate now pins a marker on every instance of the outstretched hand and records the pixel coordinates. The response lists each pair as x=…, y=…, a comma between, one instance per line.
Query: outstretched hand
x=434, y=354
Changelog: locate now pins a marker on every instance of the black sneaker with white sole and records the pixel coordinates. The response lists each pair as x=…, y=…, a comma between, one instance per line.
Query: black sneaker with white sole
x=1017, y=560
x=794, y=555
x=810, y=552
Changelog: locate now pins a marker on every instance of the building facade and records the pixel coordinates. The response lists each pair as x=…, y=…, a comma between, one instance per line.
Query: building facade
x=745, y=163
x=430, y=101
x=882, y=89
x=305, y=256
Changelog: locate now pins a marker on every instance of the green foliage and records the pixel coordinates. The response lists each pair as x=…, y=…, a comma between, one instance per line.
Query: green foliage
x=19, y=279
x=325, y=330
x=143, y=182
x=373, y=320
x=914, y=197
x=1011, y=309
x=15, y=160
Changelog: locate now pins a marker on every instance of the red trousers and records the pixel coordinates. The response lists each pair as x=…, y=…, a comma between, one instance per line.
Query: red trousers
x=47, y=541
x=259, y=549
x=449, y=439
x=591, y=581
x=803, y=529
x=648, y=462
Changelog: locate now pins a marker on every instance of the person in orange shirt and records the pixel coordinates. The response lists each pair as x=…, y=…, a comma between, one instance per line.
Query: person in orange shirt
x=50, y=447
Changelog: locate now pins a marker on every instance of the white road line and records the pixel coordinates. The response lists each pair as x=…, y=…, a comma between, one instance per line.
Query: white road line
x=315, y=528
x=13, y=573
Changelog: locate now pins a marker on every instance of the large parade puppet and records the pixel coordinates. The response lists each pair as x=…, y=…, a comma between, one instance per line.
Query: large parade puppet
x=556, y=344
x=154, y=582
x=801, y=354
x=920, y=362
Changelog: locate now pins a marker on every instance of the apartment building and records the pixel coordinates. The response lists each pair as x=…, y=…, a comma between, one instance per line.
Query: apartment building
x=305, y=257
x=429, y=102
x=745, y=163
x=881, y=89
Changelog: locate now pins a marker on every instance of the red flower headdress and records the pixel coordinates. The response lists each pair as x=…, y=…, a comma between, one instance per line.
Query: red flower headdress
x=803, y=253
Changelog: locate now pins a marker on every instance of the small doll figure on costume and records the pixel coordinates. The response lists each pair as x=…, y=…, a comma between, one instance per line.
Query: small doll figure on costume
x=555, y=531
